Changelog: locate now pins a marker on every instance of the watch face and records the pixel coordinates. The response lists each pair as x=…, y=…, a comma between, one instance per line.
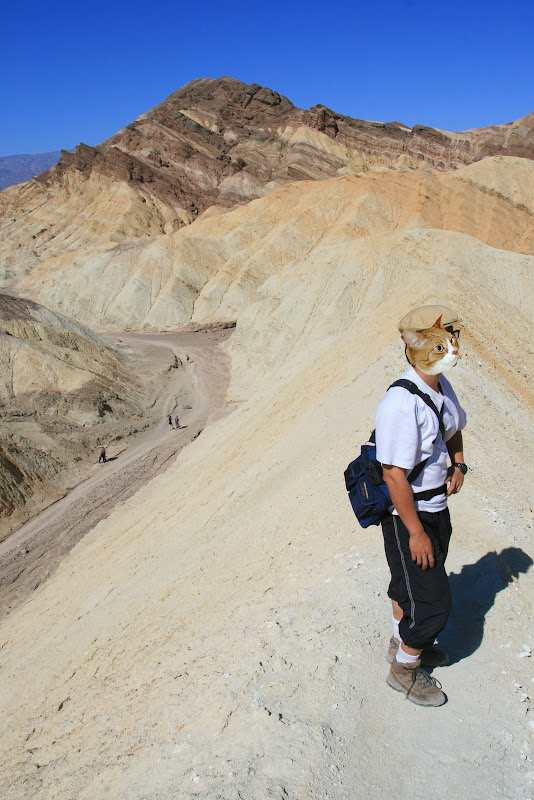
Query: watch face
x=463, y=467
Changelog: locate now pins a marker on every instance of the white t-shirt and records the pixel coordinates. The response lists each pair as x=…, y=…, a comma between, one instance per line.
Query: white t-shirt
x=405, y=431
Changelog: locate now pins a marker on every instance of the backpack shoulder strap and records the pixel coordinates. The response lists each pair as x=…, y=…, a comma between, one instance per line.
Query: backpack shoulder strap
x=413, y=389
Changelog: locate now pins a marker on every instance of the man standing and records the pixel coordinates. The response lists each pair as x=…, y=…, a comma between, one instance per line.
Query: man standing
x=409, y=431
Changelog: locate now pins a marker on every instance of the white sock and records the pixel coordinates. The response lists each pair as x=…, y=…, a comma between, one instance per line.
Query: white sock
x=406, y=658
x=396, y=623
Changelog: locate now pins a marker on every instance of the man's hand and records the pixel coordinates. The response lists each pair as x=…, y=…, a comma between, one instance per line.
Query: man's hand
x=455, y=479
x=422, y=550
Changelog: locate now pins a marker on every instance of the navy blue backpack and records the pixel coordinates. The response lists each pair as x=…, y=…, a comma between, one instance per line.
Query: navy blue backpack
x=368, y=493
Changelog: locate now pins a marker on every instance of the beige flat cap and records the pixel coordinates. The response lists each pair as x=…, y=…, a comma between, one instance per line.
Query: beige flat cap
x=425, y=316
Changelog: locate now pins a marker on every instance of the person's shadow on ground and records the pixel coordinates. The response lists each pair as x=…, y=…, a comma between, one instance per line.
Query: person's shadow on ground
x=473, y=593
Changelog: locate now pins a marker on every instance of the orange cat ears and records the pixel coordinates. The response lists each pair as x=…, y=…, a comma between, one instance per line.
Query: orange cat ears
x=416, y=339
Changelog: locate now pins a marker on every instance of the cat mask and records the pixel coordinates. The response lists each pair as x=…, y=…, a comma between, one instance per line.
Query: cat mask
x=433, y=351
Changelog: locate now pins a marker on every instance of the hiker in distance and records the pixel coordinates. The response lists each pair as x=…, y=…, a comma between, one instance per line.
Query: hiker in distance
x=102, y=457
x=420, y=423
x=171, y=426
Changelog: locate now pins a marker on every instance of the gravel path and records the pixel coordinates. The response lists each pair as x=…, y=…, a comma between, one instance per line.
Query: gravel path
x=195, y=392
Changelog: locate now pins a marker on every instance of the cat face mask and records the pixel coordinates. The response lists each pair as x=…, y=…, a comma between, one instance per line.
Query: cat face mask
x=433, y=350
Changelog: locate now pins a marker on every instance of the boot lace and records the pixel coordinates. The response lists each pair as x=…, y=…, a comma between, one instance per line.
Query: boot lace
x=423, y=679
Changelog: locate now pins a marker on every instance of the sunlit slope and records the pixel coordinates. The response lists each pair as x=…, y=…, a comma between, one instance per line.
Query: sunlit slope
x=213, y=268
x=42, y=225
x=223, y=633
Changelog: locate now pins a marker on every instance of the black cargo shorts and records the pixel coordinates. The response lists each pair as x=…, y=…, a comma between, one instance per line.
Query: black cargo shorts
x=423, y=594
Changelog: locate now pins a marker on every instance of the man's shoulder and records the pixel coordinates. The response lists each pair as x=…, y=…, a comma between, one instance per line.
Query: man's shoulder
x=397, y=399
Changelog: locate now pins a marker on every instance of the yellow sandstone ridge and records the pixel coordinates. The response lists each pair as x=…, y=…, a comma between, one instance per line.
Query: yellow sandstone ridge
x=212, y=269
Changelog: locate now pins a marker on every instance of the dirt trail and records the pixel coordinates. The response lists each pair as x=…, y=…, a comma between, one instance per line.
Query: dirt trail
x=196, y=394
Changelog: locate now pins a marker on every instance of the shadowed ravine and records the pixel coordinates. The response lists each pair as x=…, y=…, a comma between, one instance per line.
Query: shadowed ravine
x=31, y=554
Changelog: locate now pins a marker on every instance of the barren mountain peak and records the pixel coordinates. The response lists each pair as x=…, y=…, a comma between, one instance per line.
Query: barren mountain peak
x=214, y=143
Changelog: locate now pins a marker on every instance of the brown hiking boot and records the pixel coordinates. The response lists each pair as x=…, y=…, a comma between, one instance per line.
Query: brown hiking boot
x=430, y=657
x=416, y=684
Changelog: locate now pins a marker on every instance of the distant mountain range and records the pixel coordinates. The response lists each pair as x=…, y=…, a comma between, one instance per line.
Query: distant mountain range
x=23, y=167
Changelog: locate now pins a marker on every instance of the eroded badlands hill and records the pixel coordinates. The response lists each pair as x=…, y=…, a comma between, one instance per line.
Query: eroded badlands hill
x=222, y=142
x=214, y=268
x=63, y=390
x=212, y=143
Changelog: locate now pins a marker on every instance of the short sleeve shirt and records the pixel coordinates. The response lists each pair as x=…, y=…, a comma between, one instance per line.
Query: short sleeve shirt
x=407, y=432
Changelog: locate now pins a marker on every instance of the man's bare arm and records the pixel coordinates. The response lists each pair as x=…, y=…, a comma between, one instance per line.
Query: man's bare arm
x=455, y=446
x=402, y=498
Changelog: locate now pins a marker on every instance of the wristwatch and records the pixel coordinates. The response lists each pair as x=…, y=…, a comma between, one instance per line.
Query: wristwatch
x=463, y=467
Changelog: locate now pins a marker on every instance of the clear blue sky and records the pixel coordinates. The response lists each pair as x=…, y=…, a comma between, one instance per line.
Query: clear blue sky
x=76, y=72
